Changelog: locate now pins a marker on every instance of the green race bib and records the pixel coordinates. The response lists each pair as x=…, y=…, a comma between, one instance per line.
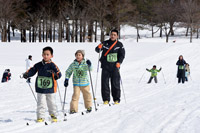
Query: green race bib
x=180, y=67
x=44, y=82
x=79, y=73
x=112, y=57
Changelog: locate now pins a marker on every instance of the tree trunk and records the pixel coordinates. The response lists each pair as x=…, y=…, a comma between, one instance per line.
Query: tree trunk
x=161, y=31
x=102, y=31
x=90, y=31
x=40, y=34
x=67, y=31
x=47, y=31
x=197, y=33
x=30, y=34
x=5, y=32
x=54, y=31
x=95, y=38
x=76, y=30
x=50, y=30
x=33, y=34
x=9, y=31
x=60, y=31
x=81, y=31
x=13, y=31
x=137, y=33
x=43, y=28
x=84, y=30
x=187, y=30
x=191, y=34
x=171, y=28
x=72, y=35
x=24, y=35
x=152, y=32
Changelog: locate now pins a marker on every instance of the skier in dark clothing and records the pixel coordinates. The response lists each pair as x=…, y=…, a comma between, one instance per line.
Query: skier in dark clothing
x=6, y=76
x=181, y=69
x=113, y=54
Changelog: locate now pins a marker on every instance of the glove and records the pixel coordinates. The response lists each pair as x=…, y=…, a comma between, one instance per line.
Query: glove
x=89, y=63
x=100, y=46
x=160, y=68
x=25, y=75
x=66, y=82
x=147, y=69
x=55, y=76
x=118, y=65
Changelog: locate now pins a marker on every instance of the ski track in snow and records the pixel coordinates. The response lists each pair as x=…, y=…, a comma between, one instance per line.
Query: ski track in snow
x=150, y=108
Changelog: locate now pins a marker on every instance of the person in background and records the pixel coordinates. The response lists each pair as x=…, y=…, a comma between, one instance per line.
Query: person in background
x=187, y=71
x=28, y=66
x=154, y=72
x=6, y=76
x=181, y=69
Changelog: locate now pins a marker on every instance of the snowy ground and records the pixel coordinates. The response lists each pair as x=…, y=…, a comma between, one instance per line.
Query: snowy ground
x=150, y=108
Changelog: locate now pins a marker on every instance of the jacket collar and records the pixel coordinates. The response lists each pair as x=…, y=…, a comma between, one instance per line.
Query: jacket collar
x=43, y=62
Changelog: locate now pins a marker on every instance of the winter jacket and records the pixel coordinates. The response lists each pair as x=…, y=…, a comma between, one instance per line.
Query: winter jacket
x=48, y=72
x=80, y=75
x=28, y=64
x=181, y=68
x=6, y=76
x=153, y=72
x=116, y=54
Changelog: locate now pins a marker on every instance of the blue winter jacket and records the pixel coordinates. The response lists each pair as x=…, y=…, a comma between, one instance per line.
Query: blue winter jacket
x=48, y=73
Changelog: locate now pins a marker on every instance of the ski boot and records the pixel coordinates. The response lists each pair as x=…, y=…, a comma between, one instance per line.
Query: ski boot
x=40, y=120
x=72, y=112
x=106, y=102
x=53, y=118
x=89, y=110
x=116, y=102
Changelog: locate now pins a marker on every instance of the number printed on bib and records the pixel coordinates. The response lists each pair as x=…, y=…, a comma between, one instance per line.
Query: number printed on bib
x=44, y=82
x=112, y=57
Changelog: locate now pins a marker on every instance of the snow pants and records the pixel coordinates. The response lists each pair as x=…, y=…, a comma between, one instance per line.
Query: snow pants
x=113, y=76
x=50, y=100
x=181, y=75
x=86, y=96
x=155, y=79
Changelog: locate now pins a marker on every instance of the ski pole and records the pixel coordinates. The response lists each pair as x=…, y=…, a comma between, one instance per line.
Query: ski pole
x=164, y=77
x=59, y=94
x=21, y=76
x=32, y=92
x=122, y=85
x=97, y=74
x=141, y=77
x=92, y=89
x=63, y=108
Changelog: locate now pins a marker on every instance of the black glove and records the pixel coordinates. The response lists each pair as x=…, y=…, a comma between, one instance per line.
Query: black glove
x=89, y=63
x=147, y=69
x=66, y=82
x=55, y=76
x=25, y=75
x=160, y=68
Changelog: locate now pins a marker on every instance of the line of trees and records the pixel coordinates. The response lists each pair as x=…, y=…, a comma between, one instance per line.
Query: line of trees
x=78, y=20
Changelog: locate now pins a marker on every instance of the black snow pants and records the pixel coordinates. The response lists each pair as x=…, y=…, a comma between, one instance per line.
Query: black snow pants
x=113, y=76
x=181, y=75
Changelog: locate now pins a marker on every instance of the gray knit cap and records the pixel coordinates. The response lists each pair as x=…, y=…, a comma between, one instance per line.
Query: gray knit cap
x=80, y=51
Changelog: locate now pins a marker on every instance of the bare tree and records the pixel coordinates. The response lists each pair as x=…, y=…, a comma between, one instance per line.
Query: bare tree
x=191, y=14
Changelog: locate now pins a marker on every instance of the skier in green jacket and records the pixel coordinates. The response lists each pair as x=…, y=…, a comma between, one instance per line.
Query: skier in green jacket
x=153, y=74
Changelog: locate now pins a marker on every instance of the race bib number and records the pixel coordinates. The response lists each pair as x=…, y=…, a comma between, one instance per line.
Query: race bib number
x=181, y=67
x=44, y=82
x=112, y=57
x=79, y=73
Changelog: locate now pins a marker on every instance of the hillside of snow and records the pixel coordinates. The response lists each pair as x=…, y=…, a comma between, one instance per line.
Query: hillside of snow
x=151, y=108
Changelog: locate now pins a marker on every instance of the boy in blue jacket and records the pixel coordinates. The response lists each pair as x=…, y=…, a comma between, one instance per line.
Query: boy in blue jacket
x=46, y=85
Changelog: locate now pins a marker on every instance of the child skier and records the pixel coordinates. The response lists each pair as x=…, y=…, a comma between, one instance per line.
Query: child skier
x=187, y=71
x=28, y=66
x=181, y=69
x=153, y=74
x=46, y=85
x=79, y=69
x=6, y=76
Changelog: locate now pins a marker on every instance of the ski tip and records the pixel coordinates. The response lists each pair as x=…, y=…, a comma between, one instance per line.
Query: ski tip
x=82, y=113
x=65, y=114
x=65, y=119
x=27, y=124
x=109, y=104
x=46, y=123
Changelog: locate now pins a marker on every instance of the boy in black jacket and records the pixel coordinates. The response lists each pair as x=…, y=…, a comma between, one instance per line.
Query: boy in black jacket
x=181, y=69
x=45, y=84
x=113, y=54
